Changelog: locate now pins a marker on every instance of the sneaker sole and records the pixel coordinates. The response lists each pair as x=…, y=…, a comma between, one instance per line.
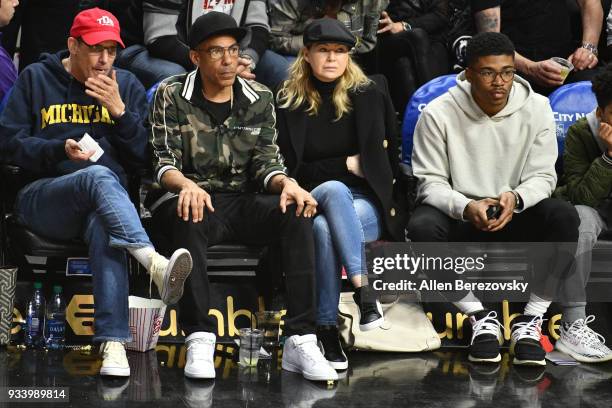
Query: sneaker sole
x=180, y=265
x=376, y=323
x=579, y=357
x=372, y=325
x=196, y=376
x=496, y=359
x=338, y=365
x=516, y=361
x=294, y=369
x=115, y=371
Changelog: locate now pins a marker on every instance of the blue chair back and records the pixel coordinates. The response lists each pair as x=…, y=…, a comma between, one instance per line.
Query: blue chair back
x=425, y=94
x=151, y=92
x=569, y=103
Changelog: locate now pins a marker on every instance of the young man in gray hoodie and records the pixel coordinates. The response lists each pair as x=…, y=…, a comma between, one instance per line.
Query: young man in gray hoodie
x=490, y=141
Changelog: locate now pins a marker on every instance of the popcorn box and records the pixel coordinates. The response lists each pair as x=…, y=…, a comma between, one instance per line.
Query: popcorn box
x=146, y=318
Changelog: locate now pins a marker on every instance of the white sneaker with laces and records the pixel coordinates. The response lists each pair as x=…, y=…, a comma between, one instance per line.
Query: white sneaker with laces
x=169, y=275
x=525, y=341
x=487, y=338
x=200, y=362
x=583, y=343
x=114, y=359
x=301, y=354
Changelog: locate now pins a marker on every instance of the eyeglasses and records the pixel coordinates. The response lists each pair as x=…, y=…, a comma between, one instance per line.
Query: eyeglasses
x=98, y=49
x=216, y=53
x=490, y=76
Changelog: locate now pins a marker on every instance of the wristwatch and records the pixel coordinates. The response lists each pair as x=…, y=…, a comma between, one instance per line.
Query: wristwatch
x=590, y=47
x=407, y=27
x=517, y=197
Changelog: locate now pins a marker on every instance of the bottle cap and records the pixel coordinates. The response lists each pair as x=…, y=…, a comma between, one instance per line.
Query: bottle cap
x=57, y=289
x=37, y=285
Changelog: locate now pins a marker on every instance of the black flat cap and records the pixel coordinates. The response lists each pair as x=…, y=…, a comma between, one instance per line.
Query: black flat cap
x=212, y=24
x=328, y=30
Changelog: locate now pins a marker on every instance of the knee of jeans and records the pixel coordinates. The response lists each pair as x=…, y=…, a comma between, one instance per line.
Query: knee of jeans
x=331, y=191
x=566, y=219
x=320, y=228
x=422, y=229
x=98, y=173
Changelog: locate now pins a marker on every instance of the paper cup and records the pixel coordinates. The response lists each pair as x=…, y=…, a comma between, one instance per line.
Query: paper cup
x=146, y=318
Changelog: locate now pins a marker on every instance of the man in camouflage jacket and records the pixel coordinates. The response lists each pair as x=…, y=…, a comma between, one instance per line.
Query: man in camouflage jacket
x=215, y=153
x=288, y=18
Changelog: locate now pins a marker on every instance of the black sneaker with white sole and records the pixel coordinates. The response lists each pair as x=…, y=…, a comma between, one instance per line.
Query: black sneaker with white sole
x=370, y=309
x=329, y=342
x=486, y=337
x=525, y=344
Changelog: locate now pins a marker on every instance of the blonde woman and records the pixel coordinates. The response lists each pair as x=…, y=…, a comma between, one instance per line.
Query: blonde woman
x=338, y=133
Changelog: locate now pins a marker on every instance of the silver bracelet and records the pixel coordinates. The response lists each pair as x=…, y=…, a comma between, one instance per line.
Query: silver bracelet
x=591, y=47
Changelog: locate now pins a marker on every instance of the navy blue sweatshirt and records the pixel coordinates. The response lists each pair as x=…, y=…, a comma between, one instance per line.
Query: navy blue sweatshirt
x=48, y=105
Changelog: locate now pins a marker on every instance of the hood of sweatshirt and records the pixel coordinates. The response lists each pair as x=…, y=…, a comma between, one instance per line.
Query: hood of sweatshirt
x=462, y=94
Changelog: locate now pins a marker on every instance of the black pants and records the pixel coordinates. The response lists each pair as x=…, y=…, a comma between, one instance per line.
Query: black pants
x=551, y=220
x=409, y=59
x=253, y=219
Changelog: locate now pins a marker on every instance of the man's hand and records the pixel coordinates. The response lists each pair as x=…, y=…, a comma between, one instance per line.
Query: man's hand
x=583, y=59
x=244, y=68
x=106, y=91
x=507, y=201
x=386, y=24
x=193, y=197
x=547, y=73
x=476, y=213
x=353, y=164
x=605, y=133
x=74, y=152
x=293, y=193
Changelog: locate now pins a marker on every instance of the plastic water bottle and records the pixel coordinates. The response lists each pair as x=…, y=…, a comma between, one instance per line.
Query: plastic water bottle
x=55, y=322
x=35, y=318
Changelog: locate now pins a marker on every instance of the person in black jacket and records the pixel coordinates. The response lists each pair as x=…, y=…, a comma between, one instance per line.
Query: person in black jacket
x=338, y=133
x=411, y=38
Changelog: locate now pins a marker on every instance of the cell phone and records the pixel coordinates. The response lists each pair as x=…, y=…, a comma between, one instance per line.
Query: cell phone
x=493, y=212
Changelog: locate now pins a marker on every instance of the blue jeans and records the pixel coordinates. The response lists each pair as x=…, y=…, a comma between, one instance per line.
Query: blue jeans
x=347, y=219
x=92, y=205
x=148, y=70
x=272, y=69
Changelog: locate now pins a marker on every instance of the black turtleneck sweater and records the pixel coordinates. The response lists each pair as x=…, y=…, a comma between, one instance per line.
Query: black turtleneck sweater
x=328, y=144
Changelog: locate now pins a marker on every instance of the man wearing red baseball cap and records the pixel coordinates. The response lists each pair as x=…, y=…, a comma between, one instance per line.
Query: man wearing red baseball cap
x=80, y=187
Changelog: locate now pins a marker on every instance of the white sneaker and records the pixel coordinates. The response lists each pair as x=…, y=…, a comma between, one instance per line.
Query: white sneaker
x=200, y=355
x=302, y=355
x=114, y=359
x=583, y=343
x=170, y=275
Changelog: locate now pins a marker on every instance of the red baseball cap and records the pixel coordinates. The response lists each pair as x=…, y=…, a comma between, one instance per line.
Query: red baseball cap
x=95, y=26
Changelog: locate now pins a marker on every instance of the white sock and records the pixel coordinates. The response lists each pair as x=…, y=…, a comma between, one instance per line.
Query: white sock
x=536, y=306
x=143, y=255
x=469, y=304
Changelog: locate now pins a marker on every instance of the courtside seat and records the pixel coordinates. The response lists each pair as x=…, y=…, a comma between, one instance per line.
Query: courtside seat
x=419, y=100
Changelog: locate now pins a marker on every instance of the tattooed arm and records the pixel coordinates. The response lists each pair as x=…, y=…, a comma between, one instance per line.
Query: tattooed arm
x=488, y=20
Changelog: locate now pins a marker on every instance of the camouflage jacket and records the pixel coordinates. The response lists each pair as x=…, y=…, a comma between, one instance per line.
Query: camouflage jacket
x=238, y=155
x=288, y=18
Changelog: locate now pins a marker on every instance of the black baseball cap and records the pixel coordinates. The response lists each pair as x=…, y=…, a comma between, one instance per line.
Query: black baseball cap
x=328, y=30
x=212, y=24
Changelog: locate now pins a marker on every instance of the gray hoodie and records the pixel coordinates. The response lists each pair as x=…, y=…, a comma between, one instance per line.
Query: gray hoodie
x=462, y=154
